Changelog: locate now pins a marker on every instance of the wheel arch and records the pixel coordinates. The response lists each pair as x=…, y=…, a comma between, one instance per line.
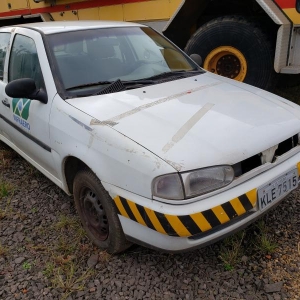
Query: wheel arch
x=192, y=14
x=71, y=166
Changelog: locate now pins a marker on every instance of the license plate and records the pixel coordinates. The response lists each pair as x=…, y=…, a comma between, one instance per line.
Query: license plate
x=276, y=189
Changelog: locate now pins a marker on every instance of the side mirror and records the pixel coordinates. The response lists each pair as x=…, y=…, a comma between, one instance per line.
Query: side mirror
x=197, y=59
x=25, y=88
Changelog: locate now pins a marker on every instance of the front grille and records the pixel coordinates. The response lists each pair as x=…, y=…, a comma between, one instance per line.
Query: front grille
x=286, y=145
x=253, y=162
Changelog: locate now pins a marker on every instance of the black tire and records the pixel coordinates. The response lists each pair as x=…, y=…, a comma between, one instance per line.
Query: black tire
x=288, y=80
x=98, y=213
x=244, y=36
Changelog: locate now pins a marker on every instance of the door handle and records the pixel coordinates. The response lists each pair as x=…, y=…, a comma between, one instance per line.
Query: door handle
x=6, y=103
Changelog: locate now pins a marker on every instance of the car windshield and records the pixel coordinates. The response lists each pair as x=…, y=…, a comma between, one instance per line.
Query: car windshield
x=102, y=56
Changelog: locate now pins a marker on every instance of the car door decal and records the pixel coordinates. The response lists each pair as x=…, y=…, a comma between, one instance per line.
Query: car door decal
x=21, y=112
x=20, y=108
x=38, y=142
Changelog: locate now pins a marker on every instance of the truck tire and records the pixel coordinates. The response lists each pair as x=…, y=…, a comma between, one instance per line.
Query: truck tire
x=98, y=213
x=233, y=47
x=288, y=80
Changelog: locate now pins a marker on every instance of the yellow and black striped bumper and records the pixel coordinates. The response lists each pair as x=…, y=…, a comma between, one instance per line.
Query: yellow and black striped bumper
x=187, y=225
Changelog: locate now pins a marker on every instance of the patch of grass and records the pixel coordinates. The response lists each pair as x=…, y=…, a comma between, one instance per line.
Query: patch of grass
x=36, y=248
x=21, y=249
x=3, y=250
x=6, y=189
x=64, y=259
x=264, y=241
x=267, y=244
x=66, y=247
x=26, y=265
x=2, y=214
x=63, y=268
x=228, y=267
x=33, y=210
x=49, y=269
x=69, y=278
x=67, y=222
x=70, y=233
x=6, y=211
x=232, y=250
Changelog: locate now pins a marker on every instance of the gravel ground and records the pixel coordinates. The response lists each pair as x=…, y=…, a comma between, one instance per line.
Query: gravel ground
x=45, y=255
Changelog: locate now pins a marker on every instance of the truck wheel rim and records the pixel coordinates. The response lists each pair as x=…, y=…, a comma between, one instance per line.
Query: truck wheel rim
x=94, y=215
x=228, y=62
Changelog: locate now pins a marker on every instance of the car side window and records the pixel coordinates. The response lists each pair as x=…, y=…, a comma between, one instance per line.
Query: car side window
x=4, y=42
x=298, y=6
x=24, y=61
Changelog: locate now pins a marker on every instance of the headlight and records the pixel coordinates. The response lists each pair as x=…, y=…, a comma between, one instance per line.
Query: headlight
x=168, y=187
x=206, y=180
x=193, y=183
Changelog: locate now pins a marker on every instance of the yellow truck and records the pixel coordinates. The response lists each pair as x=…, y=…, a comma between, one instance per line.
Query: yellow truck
x=255, y=41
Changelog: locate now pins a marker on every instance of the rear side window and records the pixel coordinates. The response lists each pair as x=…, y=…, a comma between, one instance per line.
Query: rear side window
x=4, y=42
x=24, y=61
x=298, y=6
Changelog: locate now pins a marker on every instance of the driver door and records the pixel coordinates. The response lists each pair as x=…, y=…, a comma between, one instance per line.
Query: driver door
x=27, y=121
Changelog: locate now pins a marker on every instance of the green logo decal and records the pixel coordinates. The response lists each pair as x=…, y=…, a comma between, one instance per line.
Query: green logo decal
x=21, y=111
x=21, y=107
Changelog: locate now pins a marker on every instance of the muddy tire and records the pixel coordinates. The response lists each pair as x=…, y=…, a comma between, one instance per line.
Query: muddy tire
x=233, y=47
x=98, y=213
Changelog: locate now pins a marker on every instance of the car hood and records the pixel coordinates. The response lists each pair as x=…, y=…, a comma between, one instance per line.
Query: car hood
x=198, y=121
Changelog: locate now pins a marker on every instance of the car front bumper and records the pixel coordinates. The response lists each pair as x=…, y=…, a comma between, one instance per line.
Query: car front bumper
x=187, y=226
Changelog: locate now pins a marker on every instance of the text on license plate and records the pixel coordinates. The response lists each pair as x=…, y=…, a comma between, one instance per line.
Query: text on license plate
x=278, y=188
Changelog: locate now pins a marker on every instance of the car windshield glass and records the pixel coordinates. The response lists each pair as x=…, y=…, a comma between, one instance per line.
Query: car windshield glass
x=90, y=58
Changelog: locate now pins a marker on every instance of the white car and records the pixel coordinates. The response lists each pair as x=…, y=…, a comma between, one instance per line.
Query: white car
x=155, y=150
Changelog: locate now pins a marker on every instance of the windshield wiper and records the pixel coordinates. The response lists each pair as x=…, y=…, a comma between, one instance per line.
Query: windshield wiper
x=176, y=74
x=132, y=83
x=120, y=85
x=138, y=83
x=81, y=86
x=113, y=87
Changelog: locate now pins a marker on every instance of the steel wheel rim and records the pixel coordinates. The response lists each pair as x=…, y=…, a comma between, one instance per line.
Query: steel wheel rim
x=94, y=214
x=228, y=62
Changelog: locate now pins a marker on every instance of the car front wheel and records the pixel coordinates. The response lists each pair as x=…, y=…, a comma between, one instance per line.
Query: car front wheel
x=98, y=213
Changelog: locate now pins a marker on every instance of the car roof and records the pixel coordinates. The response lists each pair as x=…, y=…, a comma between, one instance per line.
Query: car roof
x=65, y=26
